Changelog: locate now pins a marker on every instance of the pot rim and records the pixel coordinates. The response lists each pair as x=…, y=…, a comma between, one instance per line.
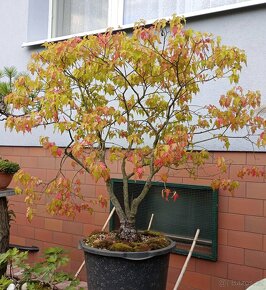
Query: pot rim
x=129, y=255
x=4, y=173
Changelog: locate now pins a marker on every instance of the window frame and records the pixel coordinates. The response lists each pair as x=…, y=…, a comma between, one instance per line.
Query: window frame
x=115, y=19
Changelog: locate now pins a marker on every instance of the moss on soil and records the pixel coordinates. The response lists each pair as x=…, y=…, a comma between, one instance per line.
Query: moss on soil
x=148, y=240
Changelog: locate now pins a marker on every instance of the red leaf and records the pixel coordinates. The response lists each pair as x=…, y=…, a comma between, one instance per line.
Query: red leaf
x=175, y=196
x=59, y=152
x=139, y=172
x=144, y=35
x=165, y=193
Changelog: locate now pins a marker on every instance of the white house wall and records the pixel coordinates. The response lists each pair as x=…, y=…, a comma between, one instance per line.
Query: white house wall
x=245, y=28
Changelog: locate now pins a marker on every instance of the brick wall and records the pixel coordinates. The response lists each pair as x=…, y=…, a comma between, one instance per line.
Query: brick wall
x=241, y=233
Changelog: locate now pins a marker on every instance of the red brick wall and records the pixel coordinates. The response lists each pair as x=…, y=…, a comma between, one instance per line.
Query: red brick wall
x=241, y=233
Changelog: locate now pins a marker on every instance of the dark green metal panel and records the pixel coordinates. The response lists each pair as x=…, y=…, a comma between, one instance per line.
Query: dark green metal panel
x=195, y=208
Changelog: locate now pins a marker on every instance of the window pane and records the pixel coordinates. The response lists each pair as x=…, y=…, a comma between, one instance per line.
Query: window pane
x=135, y=10
x=167, y=8
x=199, y=5
x=217, y=3
x=74, y=16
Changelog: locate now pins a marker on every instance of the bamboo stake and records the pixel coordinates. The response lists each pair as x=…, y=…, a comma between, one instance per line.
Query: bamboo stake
x=103, y=228
x=151, y=219
x=187, y=260
x=108, y=219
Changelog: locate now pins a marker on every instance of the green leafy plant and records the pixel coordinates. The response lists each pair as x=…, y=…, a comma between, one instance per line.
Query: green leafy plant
x=14, y=258
x=133, y=100
x=5, y=282
x=8, y=167
x=7, y=77
x=43, y=275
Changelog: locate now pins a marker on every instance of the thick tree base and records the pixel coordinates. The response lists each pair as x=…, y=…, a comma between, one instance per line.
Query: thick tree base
x=128, y=232
x=4, y=230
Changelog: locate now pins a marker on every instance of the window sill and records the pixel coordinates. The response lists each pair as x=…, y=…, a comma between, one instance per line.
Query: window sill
x=130, y=26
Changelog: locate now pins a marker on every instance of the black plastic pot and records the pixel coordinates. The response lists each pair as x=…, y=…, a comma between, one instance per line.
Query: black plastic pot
x=108, y=270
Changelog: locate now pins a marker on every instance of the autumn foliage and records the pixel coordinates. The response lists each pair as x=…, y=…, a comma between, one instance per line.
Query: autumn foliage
x=132, y=95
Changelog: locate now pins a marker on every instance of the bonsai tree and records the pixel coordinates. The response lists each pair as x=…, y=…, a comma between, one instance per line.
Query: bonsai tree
x=131, y=99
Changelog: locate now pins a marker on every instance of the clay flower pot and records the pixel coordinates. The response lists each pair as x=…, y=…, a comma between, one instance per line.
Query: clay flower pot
x=5, y=179
x=7, y=170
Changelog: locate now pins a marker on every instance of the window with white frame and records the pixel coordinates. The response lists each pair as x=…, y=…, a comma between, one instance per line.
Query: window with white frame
x=57, y=18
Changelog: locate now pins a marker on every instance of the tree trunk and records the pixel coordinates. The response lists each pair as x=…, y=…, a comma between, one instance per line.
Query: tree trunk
x=128, y=232
x=4, y=230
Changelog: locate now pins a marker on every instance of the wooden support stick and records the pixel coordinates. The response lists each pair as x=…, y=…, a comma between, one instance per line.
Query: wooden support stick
x=152, y=215
x=108, y=219
x=187, y=260
x=103, y=228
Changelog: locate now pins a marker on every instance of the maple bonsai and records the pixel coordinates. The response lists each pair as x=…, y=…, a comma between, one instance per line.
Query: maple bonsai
x=130, y=99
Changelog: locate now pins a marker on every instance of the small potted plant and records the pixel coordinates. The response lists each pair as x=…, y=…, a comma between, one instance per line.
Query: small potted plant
x=7, y=170
x=129, y=100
